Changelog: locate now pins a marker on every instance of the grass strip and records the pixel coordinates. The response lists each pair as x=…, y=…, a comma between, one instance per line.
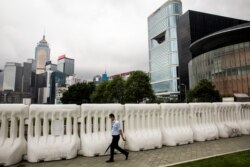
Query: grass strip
x=240, y=159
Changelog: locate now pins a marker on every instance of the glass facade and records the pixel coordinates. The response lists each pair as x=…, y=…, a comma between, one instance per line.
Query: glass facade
x=163, y=49
x=12, y=79
x=193, y=26
x=27, y=71
x=57, y=78
x=227, y=67
x=1, y=79
x=66, y=66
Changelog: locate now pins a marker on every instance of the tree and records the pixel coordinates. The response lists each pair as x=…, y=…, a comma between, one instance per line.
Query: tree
x=78, y=94
x=115, y=90
x=109, y=91
x=204, y=92
x=138, y=88
x=100, y=94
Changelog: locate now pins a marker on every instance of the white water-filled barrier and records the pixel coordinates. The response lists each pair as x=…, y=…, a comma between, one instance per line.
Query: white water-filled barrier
x=53, y=132
x=142, y=126
x=12, y=141
x=203, y=121
x=96, y=127
x=227, y=116
x=244, y=118
x=175, y=124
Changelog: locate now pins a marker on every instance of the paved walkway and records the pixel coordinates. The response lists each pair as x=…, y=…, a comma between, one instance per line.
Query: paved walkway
x=159, y=157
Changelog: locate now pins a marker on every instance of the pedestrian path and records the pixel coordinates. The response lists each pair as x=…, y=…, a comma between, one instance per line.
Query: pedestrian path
x=153, y=158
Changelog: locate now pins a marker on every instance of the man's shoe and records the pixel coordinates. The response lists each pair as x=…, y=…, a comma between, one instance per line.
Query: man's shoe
x=108, y=161
x=127, y=156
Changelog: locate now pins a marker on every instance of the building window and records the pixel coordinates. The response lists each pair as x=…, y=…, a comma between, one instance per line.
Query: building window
x=160, y=38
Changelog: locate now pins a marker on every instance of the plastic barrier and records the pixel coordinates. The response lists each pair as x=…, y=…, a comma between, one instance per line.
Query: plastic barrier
x=12, y=142
x=227, y=116
x=244, y=118
x=96, y=127
x=53, y=129
x=203, y=121
x=142, y=126
x=53, y=132
x=175, y=124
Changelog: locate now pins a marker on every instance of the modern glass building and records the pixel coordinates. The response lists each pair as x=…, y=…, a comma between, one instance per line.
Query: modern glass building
x=193, y=26
x=12, y=80
x=1, y=79
x=105, y=77
x=223, y=58
x=46, y=86
x=27, y=72
x=163, y=49
x=57, y=79
x=42, y=55
x=50, y=66
x=66, y=65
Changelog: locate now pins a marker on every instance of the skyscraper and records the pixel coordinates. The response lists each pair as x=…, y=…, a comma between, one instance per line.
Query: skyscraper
x=66, y=65
x=50, y=66
x=163, y=49
x=33, y=63
x=12, y=79
x=27, y=73
x=58, y=79
x=1, y=79
x=105, y=77
x=42, y=55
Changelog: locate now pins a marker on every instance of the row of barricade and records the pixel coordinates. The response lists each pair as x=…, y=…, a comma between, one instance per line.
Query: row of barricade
x=62, y=131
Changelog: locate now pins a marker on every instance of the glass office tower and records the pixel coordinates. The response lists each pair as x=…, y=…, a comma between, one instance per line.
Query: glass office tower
x=1, y=79
x=163, y=49
x=66, y=65
x=12, y=79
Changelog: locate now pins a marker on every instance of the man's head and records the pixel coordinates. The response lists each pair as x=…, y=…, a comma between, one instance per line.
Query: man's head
x=112, y=116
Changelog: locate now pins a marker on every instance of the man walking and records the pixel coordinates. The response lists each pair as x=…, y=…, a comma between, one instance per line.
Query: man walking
x=116, y=132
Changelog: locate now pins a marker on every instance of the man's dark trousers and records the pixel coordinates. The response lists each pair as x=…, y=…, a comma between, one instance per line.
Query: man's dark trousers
x=114, y=145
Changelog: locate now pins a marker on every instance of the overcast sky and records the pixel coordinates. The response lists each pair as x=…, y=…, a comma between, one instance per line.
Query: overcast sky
x=96, y=33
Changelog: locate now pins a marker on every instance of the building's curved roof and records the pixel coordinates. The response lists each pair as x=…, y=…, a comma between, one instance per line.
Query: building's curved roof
x=225, y=37
x=43, y=42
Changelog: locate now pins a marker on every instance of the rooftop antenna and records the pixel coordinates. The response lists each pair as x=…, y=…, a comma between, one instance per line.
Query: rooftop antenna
x=44, y=31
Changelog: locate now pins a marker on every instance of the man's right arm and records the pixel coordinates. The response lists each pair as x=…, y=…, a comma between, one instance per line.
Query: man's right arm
x=121, y=133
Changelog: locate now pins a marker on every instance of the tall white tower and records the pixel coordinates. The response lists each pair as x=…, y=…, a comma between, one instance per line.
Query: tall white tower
x=42, y=55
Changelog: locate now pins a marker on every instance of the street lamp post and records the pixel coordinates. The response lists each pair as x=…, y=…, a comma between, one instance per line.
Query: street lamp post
x=185, y=92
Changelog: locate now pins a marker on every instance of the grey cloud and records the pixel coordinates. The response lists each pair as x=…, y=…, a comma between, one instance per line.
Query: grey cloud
x=97, y=33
